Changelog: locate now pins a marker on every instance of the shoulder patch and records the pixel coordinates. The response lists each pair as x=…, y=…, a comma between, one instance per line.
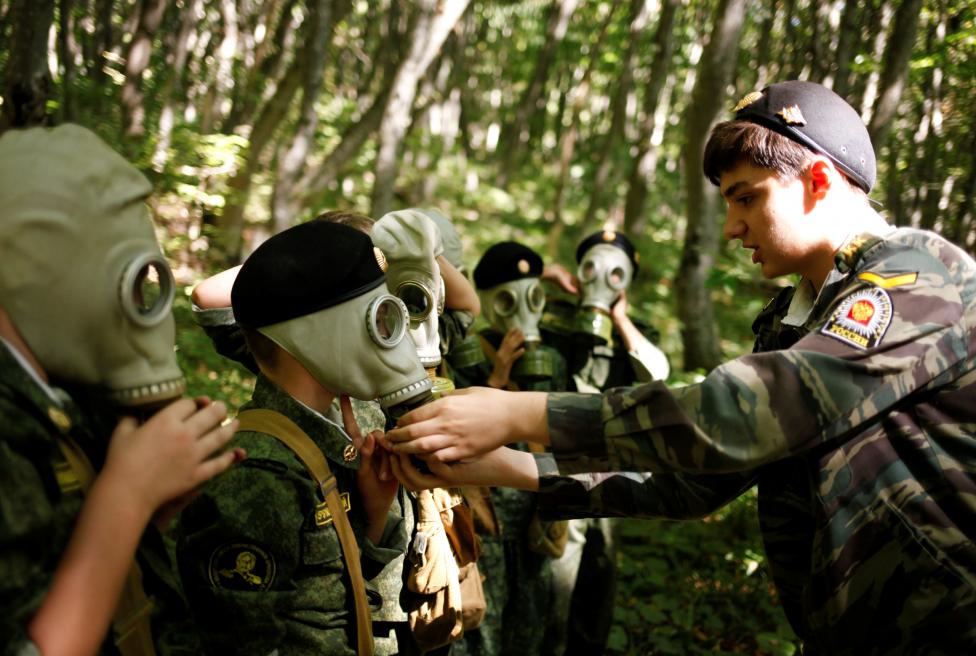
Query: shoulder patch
x=241, y=566
x=890, y=281
x=861, y=319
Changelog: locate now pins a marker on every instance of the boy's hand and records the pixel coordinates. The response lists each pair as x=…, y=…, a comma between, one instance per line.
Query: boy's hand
x=175, y=451
x=510, y=350
x=375, y=481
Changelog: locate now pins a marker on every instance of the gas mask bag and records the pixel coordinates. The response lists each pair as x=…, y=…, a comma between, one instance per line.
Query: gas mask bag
x=318, y=291
x=411, y=242
x=82, y=276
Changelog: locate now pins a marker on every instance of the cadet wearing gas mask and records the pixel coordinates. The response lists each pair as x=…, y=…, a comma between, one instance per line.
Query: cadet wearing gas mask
x=516, y=562
x=262, y=553
x=602, y=344
x=85, y=298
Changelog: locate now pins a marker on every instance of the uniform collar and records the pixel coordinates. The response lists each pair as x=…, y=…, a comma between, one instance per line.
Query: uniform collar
x=326, y=433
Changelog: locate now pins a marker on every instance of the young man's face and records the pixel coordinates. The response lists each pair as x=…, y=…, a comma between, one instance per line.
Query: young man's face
x=769, y=216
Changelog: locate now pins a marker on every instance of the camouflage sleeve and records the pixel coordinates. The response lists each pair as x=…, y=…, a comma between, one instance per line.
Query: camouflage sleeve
x=877, y=343
x=228, y=339
x=634, y=494
x=256, y=575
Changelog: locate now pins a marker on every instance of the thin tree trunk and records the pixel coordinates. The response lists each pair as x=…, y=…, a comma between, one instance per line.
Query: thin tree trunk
x=639, y=19
x=432, y=27
x=514, y=135
x=101, y=41
x=27, y=78
x=67, y=49
x=284, y=204
x=701, y=344
x=644, y=162
x=898, y=52
x=210, y=115
x=136, y=62
x=191, y=15
x=231, y=222
x=847, y=35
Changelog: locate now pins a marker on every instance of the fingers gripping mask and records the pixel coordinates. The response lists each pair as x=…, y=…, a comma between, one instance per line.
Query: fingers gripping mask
x=82, y=276
x=411, y=243
x=359, y=347
x=515, y=304
x=604, y=272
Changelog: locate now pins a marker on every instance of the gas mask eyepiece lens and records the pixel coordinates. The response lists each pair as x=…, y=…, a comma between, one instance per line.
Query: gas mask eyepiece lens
x=146, y=290
x=386, y=320
x=536, y=298
x=505, y=303
x=418, y=300
x=587, y=271
x=617, y=278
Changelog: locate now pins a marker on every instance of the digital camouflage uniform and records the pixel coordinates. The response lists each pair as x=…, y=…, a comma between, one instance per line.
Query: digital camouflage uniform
x=258, y=571
x=517, y=580
x=40, y=500
x=858, y=428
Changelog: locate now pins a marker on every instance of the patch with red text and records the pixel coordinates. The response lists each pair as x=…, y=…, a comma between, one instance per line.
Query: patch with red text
x=861, y=319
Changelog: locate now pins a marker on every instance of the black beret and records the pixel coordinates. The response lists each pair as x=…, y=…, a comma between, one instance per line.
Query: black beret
x=504, y=262
x=304, y=269
x=818, y=118
x=612, y=238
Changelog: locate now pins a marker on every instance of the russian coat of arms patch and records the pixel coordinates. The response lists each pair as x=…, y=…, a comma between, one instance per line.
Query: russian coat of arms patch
x=861, y=319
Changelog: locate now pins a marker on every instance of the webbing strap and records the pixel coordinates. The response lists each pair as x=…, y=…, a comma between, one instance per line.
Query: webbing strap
x=288, y=433
x=130, y=625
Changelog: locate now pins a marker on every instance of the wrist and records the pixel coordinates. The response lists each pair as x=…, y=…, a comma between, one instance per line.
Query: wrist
x=528, y=420
x=129, y=504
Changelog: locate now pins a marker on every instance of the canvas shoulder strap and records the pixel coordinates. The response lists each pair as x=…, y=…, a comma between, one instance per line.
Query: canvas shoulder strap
x=288, y=433
x=130, y=626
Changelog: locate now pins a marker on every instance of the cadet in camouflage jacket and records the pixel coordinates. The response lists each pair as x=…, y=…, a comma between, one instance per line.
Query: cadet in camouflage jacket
x=40, y=499
x=864, y=459
x=291, y=592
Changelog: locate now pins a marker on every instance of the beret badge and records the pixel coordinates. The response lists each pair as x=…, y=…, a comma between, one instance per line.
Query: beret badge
x=523, y=266
x=792, y=115
x=747, y=100
x=380, y=259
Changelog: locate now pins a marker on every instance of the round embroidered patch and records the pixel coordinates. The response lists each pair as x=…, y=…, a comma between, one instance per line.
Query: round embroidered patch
x=241, y=567
x=860, y=319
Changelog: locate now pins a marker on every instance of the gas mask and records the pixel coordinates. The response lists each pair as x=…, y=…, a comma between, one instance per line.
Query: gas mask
x=82, y=276
x=519, y=304
x=360, y=348
x=411, y=242
x=604, y=272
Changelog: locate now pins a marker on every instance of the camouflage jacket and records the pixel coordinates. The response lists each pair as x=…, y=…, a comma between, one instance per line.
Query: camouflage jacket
x=858, y=429
x=259, y=572
x=40, y=498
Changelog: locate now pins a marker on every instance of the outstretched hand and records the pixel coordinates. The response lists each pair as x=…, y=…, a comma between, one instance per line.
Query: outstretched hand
x=558, y=274
x=502, y=467
x=469, y=422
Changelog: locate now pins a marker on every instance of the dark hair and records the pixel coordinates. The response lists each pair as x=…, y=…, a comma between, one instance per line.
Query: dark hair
x=262, y=347
x=735, y=142
x=360, y=222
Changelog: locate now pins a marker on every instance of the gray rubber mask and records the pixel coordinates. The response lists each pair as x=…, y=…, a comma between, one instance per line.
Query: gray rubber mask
x=604, y=272
x=359, y=347
x=515, y=304
x=411, y=243
x=82, y=276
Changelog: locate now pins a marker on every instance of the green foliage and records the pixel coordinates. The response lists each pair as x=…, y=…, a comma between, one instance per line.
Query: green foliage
x=697, y=587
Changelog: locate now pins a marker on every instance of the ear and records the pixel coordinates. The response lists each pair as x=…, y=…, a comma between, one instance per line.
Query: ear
x=820, y=177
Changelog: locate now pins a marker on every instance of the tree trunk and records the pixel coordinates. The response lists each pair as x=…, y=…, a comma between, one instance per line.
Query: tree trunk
x=136, y=62
x=644, y=161
x=27, y=79
x=191, y=15
x=639, y=19
x=515, y=135
x=701, y=344
x=231, y=222
x=898, y=52
x=101, y=41
x=431, y=29
x=223, y=78
x=67, y=50
x=847, y=35
x=284, y=204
